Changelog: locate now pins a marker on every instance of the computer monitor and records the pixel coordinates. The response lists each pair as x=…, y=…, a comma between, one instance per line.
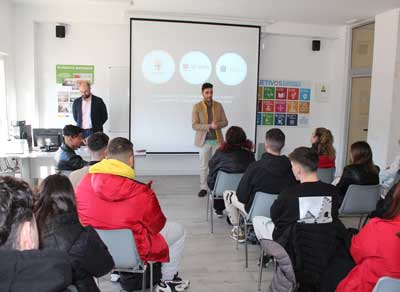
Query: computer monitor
x=47, y=139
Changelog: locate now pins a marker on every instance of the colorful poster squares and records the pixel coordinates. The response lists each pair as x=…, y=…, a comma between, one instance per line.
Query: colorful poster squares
x=292, y=107
x=280, y=106
x=291, y=120
x=260, y=93
x=304, y=107
x=305, y=94
x=259, y=119
x=281, y=93
x=267, y=119
x=269, y=92
x=303, y=120
x=293, y=94
x=268, y=106
x=259, y=106
x=280, y=119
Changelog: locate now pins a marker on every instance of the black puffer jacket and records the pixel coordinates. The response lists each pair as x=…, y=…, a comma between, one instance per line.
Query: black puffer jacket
x=88, y=255
x=271, y=174
x=357, y=174
x=68, y=160
x=34, y=270
x=234, y=160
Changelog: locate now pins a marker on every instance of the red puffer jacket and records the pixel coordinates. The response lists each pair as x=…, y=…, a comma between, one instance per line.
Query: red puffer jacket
x=109, y=198
x=376, y=252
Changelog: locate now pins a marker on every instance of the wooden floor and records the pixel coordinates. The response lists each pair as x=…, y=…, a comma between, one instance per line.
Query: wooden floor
x=211, y=261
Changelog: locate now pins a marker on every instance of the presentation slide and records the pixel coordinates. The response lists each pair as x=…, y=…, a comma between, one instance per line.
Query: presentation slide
x=170, y=60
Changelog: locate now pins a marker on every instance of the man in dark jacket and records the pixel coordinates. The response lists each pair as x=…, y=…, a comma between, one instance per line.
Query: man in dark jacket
x=89, y=111
x=271, y=174
x=66, y=157
x=23, y=267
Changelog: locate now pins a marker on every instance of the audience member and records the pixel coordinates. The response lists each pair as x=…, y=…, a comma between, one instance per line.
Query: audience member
x=322, y=142
x=97, y=145
x=304, y=220
x=234, y=156
x=23, y=267
x=271, y=174
x=109, y=197
x=360, y=171
x=66, y=157
x=59, y=229
x=375, y=250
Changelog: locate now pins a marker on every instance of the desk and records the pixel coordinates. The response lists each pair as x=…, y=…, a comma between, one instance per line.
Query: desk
x=38, y=165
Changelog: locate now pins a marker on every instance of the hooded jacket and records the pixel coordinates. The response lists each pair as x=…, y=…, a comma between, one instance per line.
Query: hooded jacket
x=375, y=250
x=34, y=270
x=68, y=160
x=109, y=197
x=271, y=174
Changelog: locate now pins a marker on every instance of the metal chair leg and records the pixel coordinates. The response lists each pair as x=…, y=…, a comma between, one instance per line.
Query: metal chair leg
x=245, y=243
x=359, y=223
x=208, y=207
x=212, y=215
x=144, y=278
x=261, y=267
x=237, y=237
x=366, y=220
x=151, y=277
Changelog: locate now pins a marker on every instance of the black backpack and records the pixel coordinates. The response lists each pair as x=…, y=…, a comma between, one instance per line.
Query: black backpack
x=133, y=281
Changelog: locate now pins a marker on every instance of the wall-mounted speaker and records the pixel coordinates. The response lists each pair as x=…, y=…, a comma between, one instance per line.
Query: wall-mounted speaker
x=60, y=31
x=316, y=45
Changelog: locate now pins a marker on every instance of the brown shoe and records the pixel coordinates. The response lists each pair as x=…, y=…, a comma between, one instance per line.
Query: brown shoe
x=202, y=193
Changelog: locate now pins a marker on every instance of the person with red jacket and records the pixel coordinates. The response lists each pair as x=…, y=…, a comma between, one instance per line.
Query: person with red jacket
x=375, y=250
x=109, y=197
x=322, y=142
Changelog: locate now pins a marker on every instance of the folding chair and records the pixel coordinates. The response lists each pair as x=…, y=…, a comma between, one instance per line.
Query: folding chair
x=225, y=181
x=360, y=200
x=387, y=284
x=326, y=175
x=122, y=247
x=261, y=207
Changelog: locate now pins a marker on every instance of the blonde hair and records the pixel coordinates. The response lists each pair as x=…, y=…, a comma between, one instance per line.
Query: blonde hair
x=324, y=145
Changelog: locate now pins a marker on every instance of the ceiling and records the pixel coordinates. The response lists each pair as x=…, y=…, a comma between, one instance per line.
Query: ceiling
x=324, y=12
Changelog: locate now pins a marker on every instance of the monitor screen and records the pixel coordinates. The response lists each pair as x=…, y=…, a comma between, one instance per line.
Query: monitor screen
x=43, y=138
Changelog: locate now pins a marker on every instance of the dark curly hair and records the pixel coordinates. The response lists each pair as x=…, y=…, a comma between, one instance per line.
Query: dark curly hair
x=16, y=207
x=236, y=137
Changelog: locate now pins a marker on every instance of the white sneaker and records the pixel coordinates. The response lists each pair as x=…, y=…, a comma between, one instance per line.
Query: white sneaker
x=175, y=285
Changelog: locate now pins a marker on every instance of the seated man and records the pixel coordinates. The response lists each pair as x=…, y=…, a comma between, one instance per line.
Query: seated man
x=109, y=197
x=271, y=174
x=66, y=157
x=97, y=145
x=304, y=220
x=23, y=267
x=311, y=201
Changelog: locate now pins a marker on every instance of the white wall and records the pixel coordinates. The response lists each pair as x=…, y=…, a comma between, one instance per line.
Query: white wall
x=287, y=55
x=291, y=58
x=384, y=118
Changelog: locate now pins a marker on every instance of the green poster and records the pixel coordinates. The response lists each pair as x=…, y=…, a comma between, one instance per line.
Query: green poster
x=267, y=119
x=269, y=93
x=68, y=75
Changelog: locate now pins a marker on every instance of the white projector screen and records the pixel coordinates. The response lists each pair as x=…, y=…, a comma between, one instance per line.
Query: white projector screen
x=170, y=60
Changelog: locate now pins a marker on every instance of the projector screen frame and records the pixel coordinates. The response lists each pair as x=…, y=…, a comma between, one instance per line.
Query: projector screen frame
x=192, y=22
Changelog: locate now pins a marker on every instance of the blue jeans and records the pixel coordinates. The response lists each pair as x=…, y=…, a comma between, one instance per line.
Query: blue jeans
x=86, y=133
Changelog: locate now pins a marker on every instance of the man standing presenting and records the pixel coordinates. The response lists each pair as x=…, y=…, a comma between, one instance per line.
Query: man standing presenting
x=90, y=112
x=208, y=118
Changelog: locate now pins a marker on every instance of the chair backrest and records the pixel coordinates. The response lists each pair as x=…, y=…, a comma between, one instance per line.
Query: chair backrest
x=122, y=247
x=387, y=284
x=262, y=205
x=360, y=199
x=260, y=150
x=226, y=181
x=326, y=175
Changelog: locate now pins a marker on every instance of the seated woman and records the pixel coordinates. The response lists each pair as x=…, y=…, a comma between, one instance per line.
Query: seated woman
x=234, y=156
x=361, y=170
x=375, y=250
x=322, y=142
x=59, y=228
